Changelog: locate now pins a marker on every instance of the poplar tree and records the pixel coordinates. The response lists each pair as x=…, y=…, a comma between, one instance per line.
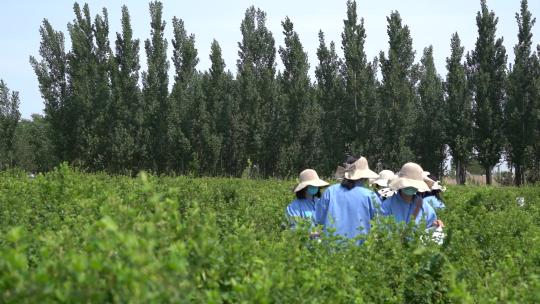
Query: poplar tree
x=519, y=111
x=329, y=92
x=127, y=138
x=182, y=98
x=398, y=97
x=302, y=132
x=51, y=72
x=359, y=103
x=217, y=87
x=459, y=110
x=430, y=126
x=9, y=118
x=155, y=90
x=487, y=76
x=257, y=89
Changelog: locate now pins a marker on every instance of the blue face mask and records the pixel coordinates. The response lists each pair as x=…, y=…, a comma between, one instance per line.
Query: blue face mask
x=312, y=190
x=410, y=191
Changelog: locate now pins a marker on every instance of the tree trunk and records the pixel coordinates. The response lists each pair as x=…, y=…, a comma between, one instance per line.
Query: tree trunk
x=488, y=175
x=518, y=180
x=461, y=173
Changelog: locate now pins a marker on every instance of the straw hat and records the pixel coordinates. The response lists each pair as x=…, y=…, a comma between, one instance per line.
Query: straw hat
x=357, y=170
x=410, y=175
x=309, y=177
x=384, y=177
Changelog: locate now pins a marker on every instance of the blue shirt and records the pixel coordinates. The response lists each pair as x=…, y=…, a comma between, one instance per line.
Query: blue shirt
x=349, y=212
x=301, y=208
x=402, y=211
x=434, y=202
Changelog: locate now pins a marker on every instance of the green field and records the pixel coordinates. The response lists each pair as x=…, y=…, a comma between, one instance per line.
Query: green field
x=68, y=236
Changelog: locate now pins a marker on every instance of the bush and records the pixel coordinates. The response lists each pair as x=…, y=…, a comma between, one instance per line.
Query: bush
x=68, y=236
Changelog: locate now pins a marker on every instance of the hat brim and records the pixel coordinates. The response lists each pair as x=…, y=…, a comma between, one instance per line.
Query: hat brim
x=314, y=183
x=359, y=174
x=402, y=182
x=429, y=182
x=381, y=182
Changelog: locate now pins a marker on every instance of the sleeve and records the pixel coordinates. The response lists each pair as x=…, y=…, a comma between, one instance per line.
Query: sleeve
x=431, y=216
x=385, y=207
x=289, y=215
x=321, y=208
x=375, y=206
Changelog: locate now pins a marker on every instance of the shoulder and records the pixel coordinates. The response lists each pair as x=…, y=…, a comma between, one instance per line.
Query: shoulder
x=331, y=189
x=367, y=191
x=294, y=204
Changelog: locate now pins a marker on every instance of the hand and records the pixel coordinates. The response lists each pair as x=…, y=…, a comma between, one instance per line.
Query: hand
x=315, y=234
x=438, y=223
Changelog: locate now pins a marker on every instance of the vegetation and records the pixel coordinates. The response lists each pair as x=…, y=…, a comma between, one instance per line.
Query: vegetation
x=68, y=236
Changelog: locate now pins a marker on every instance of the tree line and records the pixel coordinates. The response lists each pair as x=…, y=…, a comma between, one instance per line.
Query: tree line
x=102, y=113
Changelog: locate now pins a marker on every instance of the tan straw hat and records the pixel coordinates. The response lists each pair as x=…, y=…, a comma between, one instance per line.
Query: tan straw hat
x=357, y=170
x=309, y=177
x=385, y=176
x=410, y=175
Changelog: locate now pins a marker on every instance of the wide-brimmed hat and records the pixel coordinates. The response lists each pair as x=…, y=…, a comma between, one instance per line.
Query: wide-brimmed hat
x=437, y=186
x=309, y=177
x=385, y=176
x=410, y=175
x=428, y=181
x=357, y=170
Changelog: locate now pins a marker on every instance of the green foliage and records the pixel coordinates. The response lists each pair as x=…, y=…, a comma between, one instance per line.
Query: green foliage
x=33, y=150
x=9, y=118
x=68, y=236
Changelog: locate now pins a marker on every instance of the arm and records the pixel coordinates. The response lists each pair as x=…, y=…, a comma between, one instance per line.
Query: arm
x=321, y=208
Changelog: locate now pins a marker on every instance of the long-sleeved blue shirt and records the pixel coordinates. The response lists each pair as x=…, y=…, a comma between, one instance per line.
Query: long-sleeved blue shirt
x=402, y=211
x=348, y=211
x=301, y=208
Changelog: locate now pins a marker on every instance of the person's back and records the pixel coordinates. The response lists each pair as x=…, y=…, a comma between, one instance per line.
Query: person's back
x=349, y=212
x=349, y=207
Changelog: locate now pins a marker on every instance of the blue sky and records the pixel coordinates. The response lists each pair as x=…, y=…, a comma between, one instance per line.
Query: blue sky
x=431, y=23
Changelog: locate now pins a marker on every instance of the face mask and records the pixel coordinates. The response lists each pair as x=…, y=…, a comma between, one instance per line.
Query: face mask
x=410, y=191
x=311, y=190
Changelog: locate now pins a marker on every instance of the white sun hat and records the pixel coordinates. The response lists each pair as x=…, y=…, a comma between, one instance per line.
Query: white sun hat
x=437, y=186
x=410, y=175
x=309, y=177
x=385, y=176
x=357, y=170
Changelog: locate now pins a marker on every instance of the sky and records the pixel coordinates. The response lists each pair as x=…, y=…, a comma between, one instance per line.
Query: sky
x=431, y=22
